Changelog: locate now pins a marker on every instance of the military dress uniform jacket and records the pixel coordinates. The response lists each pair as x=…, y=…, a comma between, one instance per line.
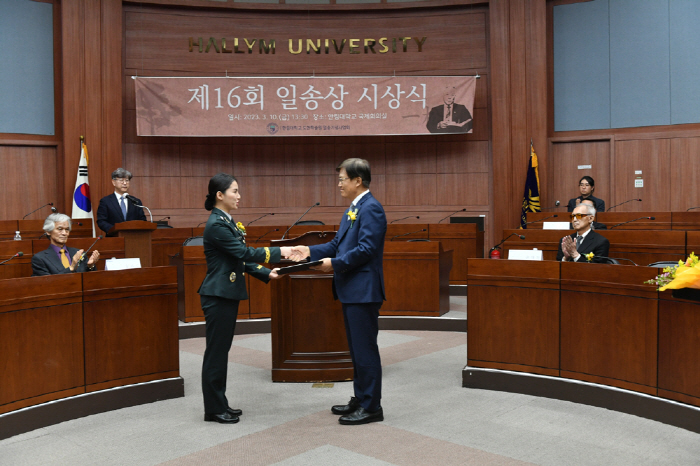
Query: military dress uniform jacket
x=229, y=259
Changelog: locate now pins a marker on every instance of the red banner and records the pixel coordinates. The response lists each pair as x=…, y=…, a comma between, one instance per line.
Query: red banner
x=327, y=106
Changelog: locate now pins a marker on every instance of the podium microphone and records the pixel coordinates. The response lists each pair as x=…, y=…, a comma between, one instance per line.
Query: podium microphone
x=406, y=234
x=53, y=209
x=137, y=203
x=302, y=215
x=494, y=253
x=461, y=210
x=19, y=254
x=692, y=208
x=616, y=205
x=261, y=236
x=399, y=219
x=259, y=218
x=541, y=220
x=630, y=221
x=164, y=218
x=556, y=204
x=88, y=249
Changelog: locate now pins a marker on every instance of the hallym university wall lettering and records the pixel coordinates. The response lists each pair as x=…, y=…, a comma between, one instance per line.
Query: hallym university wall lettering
x=298, y=46
x=311, y=106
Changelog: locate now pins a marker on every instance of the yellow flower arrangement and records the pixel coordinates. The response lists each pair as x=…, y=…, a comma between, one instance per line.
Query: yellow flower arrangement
x=684, y=275
x=352, y=216
x=240, y=227
x=589, y=257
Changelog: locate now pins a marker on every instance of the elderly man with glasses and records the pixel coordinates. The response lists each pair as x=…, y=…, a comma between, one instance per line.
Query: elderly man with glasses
x=117, y=207
x=584, y=241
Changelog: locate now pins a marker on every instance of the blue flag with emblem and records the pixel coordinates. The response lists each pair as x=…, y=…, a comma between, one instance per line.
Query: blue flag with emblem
x=531, y=197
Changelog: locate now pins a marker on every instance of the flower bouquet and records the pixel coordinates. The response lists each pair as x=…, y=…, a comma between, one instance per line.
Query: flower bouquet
x=684, y=275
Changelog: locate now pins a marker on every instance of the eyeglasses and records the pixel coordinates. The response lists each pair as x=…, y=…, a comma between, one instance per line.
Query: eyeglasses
x=578, y=216
x=342, y=180
x=122, y=180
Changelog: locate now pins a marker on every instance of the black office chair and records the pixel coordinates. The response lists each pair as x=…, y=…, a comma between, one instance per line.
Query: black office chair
x=611, y=261
x=663, y=264
x=310, y=222
x=194, y=241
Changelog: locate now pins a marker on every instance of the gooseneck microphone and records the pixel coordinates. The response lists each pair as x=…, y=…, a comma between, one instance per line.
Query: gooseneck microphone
x=615, y=258
x=504, y=240
x=53, y=209
x=406, y=234
x=404, y=218
x=201, y=223
x=262, y=236
x=19, y=254
x=616, y=205
x=541, y=220
x=82, y=257
x=260, y=218
x=137, y=203
x=164, y=218
x=692, y=208
x=302, y=216
x=461, y=210
x=556, y=204
x=630, y=221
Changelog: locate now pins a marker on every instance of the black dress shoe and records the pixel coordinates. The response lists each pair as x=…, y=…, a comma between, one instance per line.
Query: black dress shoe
x=361, y=416
x=225, y=418
x=352, y=405
x=234, y=412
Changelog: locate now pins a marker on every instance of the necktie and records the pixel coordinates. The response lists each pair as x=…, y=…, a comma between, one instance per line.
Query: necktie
x=579, y=238
x=123, y=206
x=64, y=259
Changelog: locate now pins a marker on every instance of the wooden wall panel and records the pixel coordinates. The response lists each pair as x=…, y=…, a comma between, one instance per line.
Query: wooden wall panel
x=565, y=158
x=653, y=158
x=29, y=181
x=287, y=175
x=685, y=177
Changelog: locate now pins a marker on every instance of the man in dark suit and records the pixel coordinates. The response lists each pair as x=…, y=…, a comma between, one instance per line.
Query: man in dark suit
x=449, y=117
x=116, y=208
x=355, y=258
x=587, y=187
x=59, y=258
x=585, y=240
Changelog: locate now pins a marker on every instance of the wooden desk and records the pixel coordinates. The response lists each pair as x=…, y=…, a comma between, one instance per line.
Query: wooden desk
x=464, y=240
x=642, y=247
x=64, y=335
x=609, y=324
x=166, y=242
x=19, y=266
x=416, y=279
x=686, y=220
x=513, y=315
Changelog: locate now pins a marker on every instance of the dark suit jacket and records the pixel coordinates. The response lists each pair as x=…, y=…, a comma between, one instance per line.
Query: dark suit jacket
x=357, y=254
x=460, y=114
x=109, y=212
x=229, y=259
x=47, y=263
x=595, y=243
x=599, y=204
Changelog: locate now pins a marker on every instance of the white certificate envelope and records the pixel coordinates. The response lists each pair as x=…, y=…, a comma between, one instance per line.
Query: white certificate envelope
x=525, y=254
x=123, y=264
x=556, y=226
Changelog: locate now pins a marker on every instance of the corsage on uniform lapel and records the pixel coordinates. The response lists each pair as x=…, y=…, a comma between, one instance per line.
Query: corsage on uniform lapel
x=240, y=227
x=352, y=216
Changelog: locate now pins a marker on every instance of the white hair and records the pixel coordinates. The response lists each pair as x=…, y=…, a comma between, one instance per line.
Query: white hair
x=53, y=219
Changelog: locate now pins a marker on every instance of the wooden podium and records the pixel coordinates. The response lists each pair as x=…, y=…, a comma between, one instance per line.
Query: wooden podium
x=137, y=239
x=308, y=331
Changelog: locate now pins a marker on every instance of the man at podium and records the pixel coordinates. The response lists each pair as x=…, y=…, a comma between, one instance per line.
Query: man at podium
x=119, y=207
x=59, y=258
x=355, y=258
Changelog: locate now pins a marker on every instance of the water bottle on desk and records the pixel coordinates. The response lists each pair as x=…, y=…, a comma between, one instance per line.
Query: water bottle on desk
x=17, y=236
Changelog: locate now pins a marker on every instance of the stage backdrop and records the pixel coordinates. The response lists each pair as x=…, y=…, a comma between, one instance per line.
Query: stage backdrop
x=335, y=106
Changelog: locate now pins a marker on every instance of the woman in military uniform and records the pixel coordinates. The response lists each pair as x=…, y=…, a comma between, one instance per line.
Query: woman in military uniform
x=228, y=261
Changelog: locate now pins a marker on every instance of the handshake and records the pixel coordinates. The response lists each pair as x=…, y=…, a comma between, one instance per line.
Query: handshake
x=298, y=254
